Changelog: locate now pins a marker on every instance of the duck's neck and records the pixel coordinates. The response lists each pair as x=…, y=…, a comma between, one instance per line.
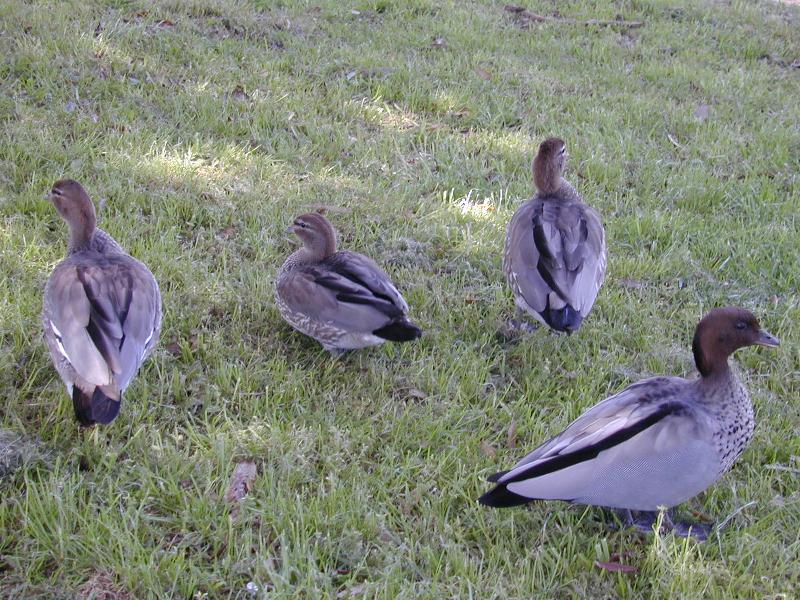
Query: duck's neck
x=301, y=257
x=80, y=238
x=99, y=241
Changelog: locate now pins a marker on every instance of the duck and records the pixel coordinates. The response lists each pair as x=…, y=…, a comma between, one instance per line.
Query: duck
x=657, y=443
x=101, y=311
x=341, y=299
x=554, y=258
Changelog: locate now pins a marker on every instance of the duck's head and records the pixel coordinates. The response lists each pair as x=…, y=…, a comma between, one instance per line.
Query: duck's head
x=75, y=207
x=316, y=233
x=549, y=164
x=721, y=332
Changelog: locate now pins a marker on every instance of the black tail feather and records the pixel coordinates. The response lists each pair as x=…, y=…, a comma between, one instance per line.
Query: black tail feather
x=97, y=408
x=500, y=497
x=565, y=319
x=399, y=330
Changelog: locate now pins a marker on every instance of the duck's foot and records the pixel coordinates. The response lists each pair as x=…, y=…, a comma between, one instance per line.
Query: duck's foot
x=698, y=531
x=641, y=520
x=644, y=522
x=337, y=352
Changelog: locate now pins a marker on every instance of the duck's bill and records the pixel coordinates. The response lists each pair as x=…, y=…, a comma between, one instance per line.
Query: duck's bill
x=765, y=338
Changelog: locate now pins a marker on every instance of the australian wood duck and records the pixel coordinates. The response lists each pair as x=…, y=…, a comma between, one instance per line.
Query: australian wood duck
x=102, y=311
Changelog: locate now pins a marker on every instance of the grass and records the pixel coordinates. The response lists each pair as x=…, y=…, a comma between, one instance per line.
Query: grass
x=203, y=127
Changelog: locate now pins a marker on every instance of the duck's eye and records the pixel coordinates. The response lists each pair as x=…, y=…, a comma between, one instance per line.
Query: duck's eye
x=300, y=224
x=562, y=151
x=741, y=325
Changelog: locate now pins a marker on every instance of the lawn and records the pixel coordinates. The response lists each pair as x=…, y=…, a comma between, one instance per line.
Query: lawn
x=202, y=128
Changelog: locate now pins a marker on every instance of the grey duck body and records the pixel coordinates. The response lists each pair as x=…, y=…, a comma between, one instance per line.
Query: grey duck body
x=554, y=257
x=657, y=443
x=341, y=299
x=101, y=318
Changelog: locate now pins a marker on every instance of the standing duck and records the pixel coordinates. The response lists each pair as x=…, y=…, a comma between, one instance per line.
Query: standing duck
x=341, y=299
x=555, y=253
x=102, y=311
x=656, y=443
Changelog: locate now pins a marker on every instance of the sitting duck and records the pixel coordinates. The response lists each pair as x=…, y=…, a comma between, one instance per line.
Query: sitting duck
x=101, y=314
x=341, y=299
x=555, y=252
x=656, y=443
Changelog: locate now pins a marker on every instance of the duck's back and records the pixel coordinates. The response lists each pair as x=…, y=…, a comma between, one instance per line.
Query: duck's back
x=555, y=258
x=101, y=317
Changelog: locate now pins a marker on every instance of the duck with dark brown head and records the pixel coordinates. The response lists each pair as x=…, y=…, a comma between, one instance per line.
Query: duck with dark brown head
x=656, y=443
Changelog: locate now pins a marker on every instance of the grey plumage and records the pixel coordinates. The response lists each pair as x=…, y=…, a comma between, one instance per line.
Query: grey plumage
x=101, y=311
x=657, y=443
x=555, y=254
x=342, y=299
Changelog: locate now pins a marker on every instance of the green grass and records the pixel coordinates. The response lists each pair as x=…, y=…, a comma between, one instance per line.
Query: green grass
x=369, y=467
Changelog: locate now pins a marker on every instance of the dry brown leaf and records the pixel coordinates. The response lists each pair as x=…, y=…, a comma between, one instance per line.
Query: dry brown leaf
x=483, y=74
x=241, y=483
x=488, y=449
x=511, y=438
x=227, y=232
x=239, y=93
x=173, y=348
x=417, y=394
x=165, y=24
x=615, y=567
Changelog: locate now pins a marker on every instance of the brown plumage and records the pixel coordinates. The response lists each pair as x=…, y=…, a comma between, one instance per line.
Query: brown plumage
x=555, y=252
x=341, y=299
x=656, y=443
x=101, y=311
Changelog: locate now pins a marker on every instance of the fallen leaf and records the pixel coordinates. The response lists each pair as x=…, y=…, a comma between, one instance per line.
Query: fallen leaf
x=796, y=63
x=511, y=438
x=483, y=74
x=350, y=74
x=238, y=93
x=165, y=24
x=418, y=394
x=701, y=114
x=173, y=348
x=228, y=232
x=488, y=449
x=439, y=42
x=615, y=567
x=141, y=14
x=241, y=483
